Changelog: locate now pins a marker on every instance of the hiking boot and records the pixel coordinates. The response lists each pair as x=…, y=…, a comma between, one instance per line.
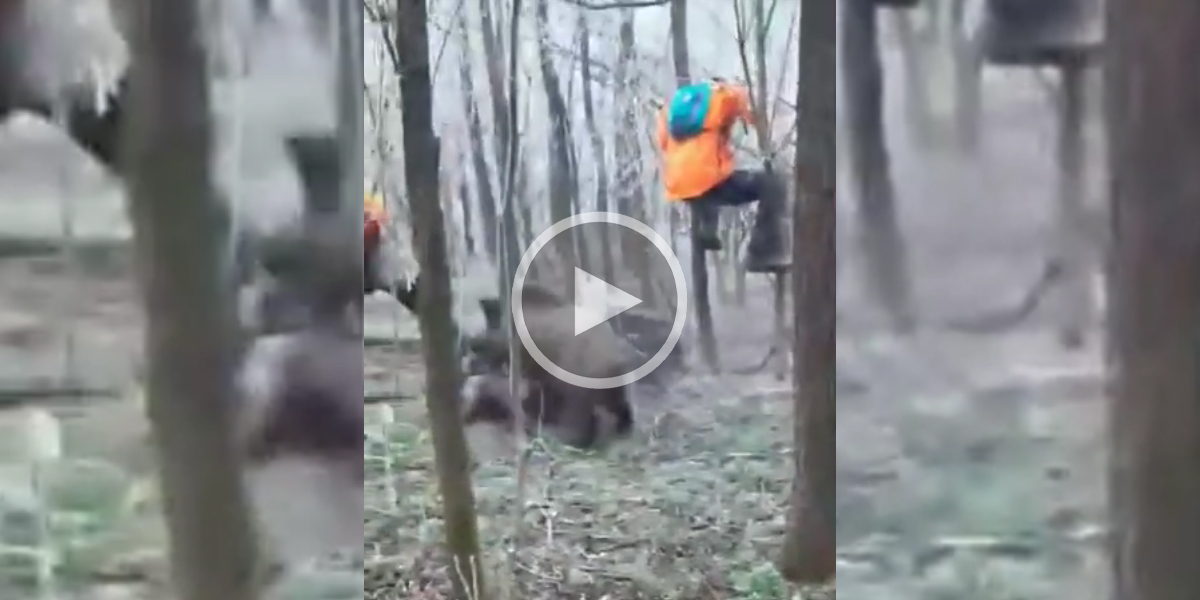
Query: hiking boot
x=769, y=249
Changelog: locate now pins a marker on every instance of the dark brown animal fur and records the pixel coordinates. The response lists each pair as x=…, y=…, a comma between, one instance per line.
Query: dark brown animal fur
x=577, y=420
x=312, y=395
x=315, y=408
x=580, y=417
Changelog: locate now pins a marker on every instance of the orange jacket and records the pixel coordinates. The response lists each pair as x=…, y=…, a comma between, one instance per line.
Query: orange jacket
x=696, y=165
x=374, y=217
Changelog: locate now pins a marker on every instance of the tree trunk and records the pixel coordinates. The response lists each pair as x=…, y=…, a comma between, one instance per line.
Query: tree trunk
x=421, y=168
x=968, y=80
x=493, y=52
x=1076, y=306
x=599, y=151
x=479, y=164
x=1154, y=131
x=917, y=102
x=809, y=549
x=504, y=115
x=880, y=236
x=630, y=187
x=700, y=293
x=516, y=221
x=464, y=197
x=562, y=180
x=181, y=230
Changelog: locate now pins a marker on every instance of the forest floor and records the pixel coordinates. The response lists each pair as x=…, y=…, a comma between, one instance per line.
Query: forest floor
x=76, y=485
x=970, y=466
x=691, y=507
x=90, y=488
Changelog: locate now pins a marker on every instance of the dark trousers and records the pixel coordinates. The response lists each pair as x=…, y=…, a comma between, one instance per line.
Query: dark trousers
x=742, y=187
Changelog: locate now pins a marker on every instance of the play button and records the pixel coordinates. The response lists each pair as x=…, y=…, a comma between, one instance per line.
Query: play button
x=599, y=300
x=596, y=301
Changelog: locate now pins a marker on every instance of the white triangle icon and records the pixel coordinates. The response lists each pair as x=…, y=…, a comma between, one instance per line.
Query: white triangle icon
x=596, y=301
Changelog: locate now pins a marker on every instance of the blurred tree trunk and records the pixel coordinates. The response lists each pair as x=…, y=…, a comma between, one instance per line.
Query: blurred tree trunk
x=11, y=39
x=880, y=236
x=968, y=79
x=599, y=150
x=515, y=231
x=914, y=52
x=562, y=183
x=504, y=116
x=1076, y=305
x=1154, y=132
x=628, y=148
x=464, y=197
x=809, y=549
x=764, y=124
x=421, y=168
x=181, y=229
x=350, y=103
x=700, y=292
x=479, y=165
x=493, y=52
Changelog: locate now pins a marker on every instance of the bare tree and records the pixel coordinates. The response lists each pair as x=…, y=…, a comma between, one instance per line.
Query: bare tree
x=809, y=550
x=759, y=84
x=599, y=148
x=493, y=52
x=704, y=319
x=1154, y=130
x=180, y=230
x=1073, y=252
x=967, y=59
x=421, y=167
x=627, y=147
x=479, y=165
x=915, y=50
x=464, y=197
x=880, y=235
x=563, y=183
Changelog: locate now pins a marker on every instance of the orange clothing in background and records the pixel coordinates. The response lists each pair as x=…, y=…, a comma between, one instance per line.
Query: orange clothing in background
x=693, y=166
x=374, y=217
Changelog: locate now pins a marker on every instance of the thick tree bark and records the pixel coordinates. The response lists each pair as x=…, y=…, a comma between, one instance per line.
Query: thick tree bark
x=809, y=550
x=434, y=303
x=1154, y=132
x=180, y=231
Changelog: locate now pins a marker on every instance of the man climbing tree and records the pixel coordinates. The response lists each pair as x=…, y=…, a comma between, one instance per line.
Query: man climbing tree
x=695, y=136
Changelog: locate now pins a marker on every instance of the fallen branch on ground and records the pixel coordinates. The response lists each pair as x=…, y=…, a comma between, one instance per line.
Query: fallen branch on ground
x=759, y=367
x=26, y=394
x=387, y=398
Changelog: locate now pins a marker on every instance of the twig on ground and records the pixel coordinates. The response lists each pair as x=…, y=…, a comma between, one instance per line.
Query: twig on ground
x=15, y=395
x=90, y=251
x=388, y=398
